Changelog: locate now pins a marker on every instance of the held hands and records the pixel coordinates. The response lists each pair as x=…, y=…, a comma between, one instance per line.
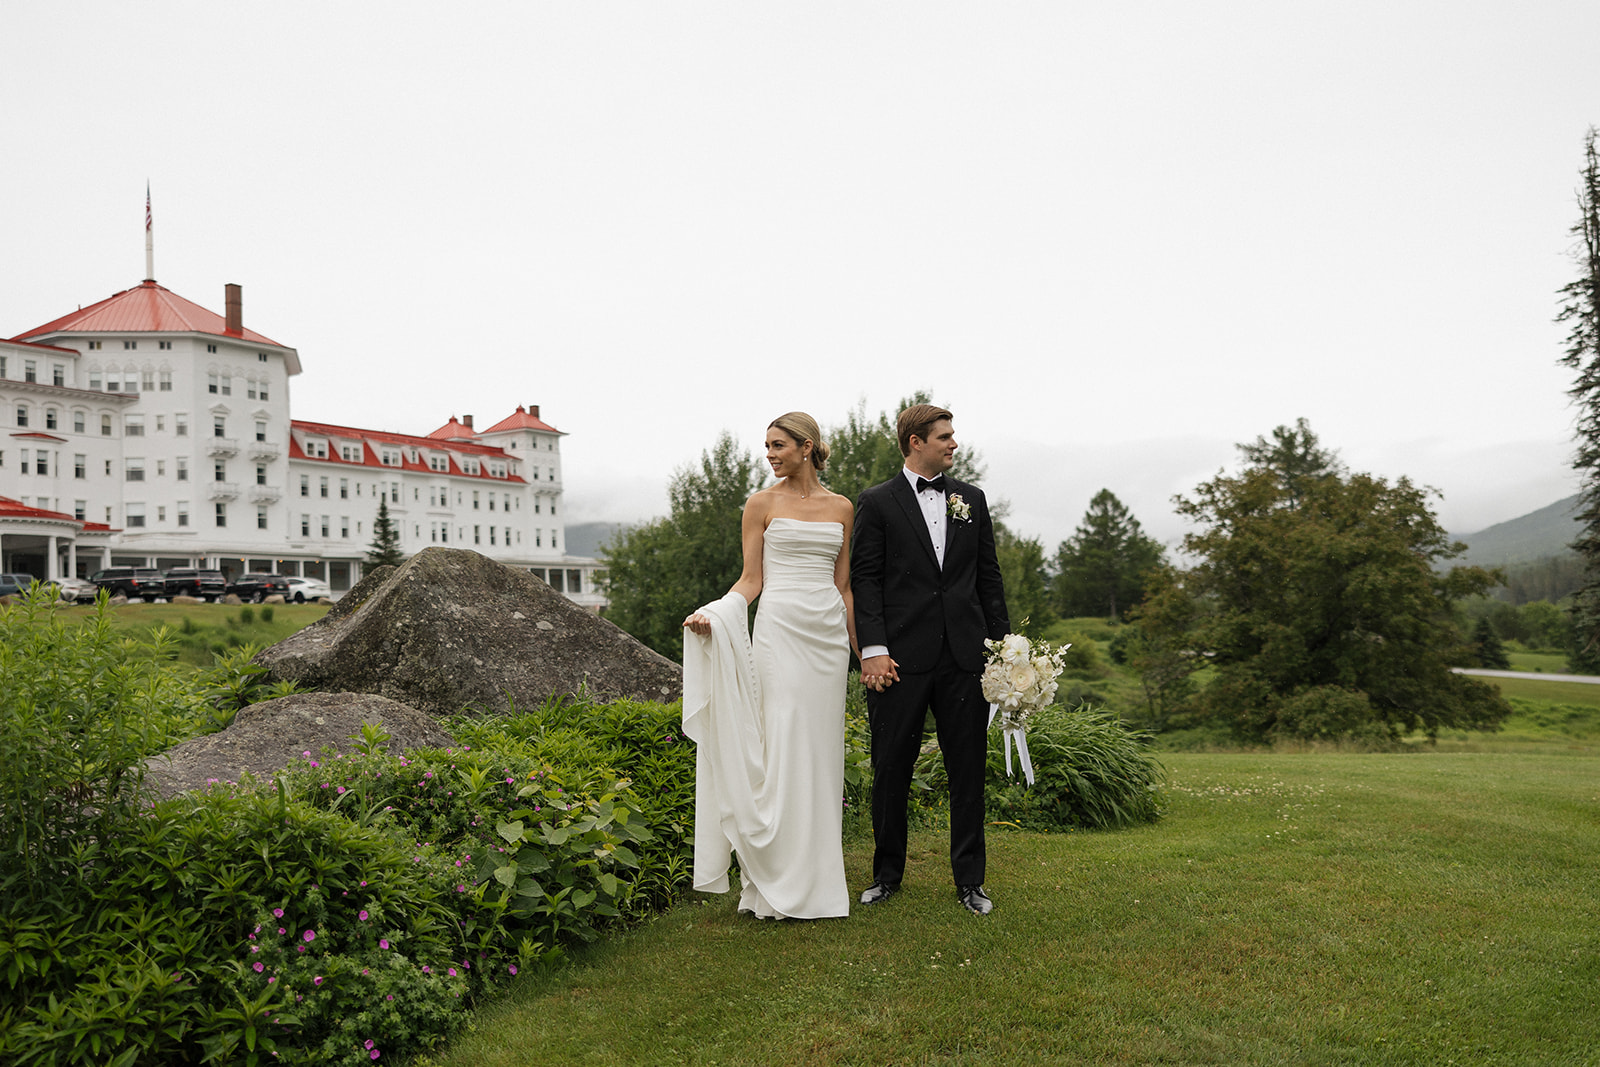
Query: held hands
x=698, y=623
x=879, y=673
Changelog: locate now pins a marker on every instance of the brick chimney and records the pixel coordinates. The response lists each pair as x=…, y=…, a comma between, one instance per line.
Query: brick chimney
x=466, y=420
x=233, y=300
x=533, y=409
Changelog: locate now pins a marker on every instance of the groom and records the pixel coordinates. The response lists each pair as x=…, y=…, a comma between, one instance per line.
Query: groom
x=927, y=593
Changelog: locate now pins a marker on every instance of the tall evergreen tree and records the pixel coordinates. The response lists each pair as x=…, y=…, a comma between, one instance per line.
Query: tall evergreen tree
x=1581, y=308
x=385, y=547
x=1101, y=568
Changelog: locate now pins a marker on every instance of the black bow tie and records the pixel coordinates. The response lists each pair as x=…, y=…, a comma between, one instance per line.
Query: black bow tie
x=936, y=483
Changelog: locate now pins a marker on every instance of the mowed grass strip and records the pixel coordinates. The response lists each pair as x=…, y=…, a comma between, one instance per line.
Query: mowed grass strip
x=1312, y=909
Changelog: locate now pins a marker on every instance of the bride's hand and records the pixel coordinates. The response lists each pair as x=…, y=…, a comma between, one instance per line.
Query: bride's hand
x=698, y=623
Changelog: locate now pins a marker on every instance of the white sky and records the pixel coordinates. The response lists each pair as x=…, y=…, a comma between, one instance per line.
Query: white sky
x=1115, y=238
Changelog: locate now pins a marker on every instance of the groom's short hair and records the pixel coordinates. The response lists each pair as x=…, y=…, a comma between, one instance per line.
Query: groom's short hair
x=916, y=421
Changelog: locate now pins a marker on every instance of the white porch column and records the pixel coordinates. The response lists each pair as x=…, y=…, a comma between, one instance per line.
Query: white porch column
x=72, y=557
x=52, y=565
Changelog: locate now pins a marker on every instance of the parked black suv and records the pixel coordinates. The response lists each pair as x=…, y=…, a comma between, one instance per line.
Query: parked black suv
x=144, y=583
x=190, y=581
x=257, y=587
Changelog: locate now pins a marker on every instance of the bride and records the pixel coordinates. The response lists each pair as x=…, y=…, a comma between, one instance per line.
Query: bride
x=767, y=710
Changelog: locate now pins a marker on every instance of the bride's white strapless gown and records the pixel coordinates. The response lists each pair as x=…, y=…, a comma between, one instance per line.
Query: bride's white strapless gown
x=767, y=714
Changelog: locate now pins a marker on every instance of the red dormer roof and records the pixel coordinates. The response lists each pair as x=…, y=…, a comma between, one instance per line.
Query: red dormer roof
x=454, y=430
x=521, y=419
x=146, y=308
x=372, y=439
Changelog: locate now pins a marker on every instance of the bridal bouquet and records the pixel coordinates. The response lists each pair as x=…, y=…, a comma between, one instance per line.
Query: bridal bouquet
x=1018, y=680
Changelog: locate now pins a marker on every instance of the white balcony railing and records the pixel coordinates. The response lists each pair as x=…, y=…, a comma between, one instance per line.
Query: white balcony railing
x=265, y=494
x=222, y=446
x=222, y=490
x=263, y=450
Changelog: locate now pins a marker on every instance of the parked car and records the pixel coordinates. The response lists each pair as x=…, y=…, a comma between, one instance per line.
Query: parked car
x=257, y=586
x=143, y=583
x=77, y=590
x=15, y=584
x=191, y=581
x=304, y=589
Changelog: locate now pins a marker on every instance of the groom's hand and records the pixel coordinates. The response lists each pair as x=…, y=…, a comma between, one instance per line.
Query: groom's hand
x=878, y=672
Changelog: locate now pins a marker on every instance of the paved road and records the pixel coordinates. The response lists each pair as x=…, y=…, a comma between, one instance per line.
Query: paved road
x=1590, y=679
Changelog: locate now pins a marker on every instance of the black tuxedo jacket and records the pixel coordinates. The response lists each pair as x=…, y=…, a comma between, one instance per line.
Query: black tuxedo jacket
x=902, y=597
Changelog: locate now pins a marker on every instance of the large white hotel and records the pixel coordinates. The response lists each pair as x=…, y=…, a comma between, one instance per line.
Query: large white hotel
x=145, y=430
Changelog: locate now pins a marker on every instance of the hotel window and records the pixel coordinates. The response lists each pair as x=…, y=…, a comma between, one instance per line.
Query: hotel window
x=95, y=345
x=165, y=345
x=80, y=466
x=491, y=535
x=261, y=474
x=134, y=513
x=133, y=425
x=222, y=514
x=350, y=453
x=134, y=470
x=80, y=508
x=105, y=425
x=261, y=517
x=476, y=537
x=344, y=526
x=324, y=526
x=552, y=507
x=219, y=426
x=161, y=468
x=129, y=346
x=263, y=392
x=305, y=525
x=94, y=380
x=305, y=485
x=183, y=513
x=30, y=370
x=323, y=488
x=180, y=425
x=211, y=379
x=22, y=415
x=261, y=430
x=161, y=513
x=211, y=348
x=49, y=418
x=474, y=500
x=219, y=471
x=166, y=381
x=183, y=469
x=250, y=389
x=77, y=422
x=131, y=384
x=58, y=374
x=149, y=376
x=394, y=492
x=227, y=385
x=113, y=381
x=491, y=501
x=344, y=488
x=24, y=461
x=161, y=423
x=261, y=357
x=535, y=471
x=108, y=474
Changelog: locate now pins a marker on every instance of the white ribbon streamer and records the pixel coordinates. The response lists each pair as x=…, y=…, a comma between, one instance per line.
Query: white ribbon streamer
x=1014, y=735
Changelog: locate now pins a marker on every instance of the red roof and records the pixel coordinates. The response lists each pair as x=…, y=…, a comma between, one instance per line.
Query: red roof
x=16, y=509
x=370, y=457
x=454, y=430
x=146, y=308
x=521, y=419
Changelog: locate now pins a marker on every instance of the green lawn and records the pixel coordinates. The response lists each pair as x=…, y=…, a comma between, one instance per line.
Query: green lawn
x=1307, y=909
x=202, y=630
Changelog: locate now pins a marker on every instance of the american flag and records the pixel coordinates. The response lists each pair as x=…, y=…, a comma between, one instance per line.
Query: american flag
x=147, y=206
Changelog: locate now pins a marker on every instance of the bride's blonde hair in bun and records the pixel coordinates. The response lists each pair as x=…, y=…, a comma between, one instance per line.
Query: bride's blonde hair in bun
x=803, y=428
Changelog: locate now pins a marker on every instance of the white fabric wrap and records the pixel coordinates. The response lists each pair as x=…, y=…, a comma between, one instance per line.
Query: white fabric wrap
x=721, y=709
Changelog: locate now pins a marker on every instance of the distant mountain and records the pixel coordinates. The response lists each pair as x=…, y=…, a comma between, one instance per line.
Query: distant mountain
x=1536, y=535
x=585, y=538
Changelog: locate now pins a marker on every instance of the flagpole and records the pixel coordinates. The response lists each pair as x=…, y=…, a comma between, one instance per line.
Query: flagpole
x=149, y=239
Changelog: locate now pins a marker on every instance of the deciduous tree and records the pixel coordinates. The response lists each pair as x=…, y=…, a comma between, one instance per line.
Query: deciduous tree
x=1317, y=601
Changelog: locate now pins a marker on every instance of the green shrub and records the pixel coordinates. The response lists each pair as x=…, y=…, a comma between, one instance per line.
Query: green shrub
x=266, y=613
x=1090, y=772
x=247, y=615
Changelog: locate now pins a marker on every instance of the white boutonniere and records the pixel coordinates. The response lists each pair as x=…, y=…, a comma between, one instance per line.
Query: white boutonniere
x=959, y=509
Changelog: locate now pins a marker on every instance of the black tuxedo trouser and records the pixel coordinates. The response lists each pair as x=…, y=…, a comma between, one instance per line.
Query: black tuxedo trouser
x=895, y=717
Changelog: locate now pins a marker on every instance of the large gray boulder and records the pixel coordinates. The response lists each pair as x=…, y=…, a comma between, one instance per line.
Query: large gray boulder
x=264, y=737
x=452, y=631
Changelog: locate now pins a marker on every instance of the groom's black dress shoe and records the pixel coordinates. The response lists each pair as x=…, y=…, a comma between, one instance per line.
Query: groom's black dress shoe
x=878, y=892
x=974, y=899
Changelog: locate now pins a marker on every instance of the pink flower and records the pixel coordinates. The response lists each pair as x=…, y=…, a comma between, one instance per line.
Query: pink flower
x=300, y=948
x=274, y=978
x=259, y=967
x=512, y=968
x=281, y=930
x=362, y=916
x=310, y=936
x=369, y=1043
x=452, y=972
x=426, y=969
x=277, y=913
x=375, y=1053
x=317, y=980
x=383, y=943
